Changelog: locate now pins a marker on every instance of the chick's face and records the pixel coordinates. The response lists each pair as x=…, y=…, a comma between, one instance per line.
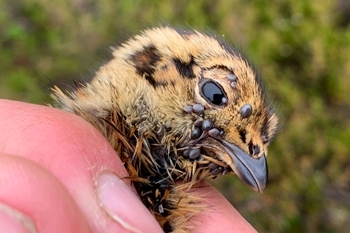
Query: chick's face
x=235, y=104
x=235, y=123
x=208, y=95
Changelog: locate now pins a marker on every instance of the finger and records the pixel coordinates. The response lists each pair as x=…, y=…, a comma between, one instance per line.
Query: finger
x=220, y=215
x=79, y=156
x=36, y=199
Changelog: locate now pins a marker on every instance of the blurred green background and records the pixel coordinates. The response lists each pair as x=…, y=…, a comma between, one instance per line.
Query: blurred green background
x=301, y=47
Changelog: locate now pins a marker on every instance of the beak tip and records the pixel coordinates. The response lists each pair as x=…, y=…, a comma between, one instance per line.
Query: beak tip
x=261, y=187
x=254, y=181
x=259, y=174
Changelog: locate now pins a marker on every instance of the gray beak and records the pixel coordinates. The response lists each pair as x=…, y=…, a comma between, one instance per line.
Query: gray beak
x=251, y=171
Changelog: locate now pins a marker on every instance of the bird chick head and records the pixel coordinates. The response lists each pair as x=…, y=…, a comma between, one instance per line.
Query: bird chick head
x=196, y=92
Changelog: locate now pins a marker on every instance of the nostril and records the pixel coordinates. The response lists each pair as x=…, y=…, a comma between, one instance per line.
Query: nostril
x=254, y=149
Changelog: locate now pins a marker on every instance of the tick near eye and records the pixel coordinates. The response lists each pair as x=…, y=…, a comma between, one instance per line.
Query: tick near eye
x=246, y=111
x=232, y=77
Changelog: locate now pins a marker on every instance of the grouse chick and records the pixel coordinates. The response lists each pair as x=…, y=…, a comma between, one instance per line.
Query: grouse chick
x=179, y=107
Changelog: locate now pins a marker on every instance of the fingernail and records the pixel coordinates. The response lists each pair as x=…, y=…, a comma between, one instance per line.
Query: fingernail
x=11, y=220
x=123, y=206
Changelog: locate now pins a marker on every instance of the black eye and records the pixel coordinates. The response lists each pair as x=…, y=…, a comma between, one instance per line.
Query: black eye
x=213, y=93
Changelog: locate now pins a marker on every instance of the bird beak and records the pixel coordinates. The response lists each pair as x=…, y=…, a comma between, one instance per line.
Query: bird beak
x=251, y=171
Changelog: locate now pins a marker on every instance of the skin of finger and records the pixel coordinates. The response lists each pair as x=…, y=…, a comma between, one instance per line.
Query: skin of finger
x=72, y=150
x=31, y=190
x=219, y=215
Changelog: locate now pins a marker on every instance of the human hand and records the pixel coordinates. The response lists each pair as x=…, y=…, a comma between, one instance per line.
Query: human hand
x=58, y=174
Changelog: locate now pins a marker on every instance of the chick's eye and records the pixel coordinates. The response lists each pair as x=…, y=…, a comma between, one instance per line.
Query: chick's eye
x=213, y=93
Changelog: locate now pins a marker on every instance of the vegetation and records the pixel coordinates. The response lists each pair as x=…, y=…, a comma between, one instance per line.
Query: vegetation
x=302, y=49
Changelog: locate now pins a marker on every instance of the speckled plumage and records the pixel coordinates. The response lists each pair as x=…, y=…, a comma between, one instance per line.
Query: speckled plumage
x=151, y=103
